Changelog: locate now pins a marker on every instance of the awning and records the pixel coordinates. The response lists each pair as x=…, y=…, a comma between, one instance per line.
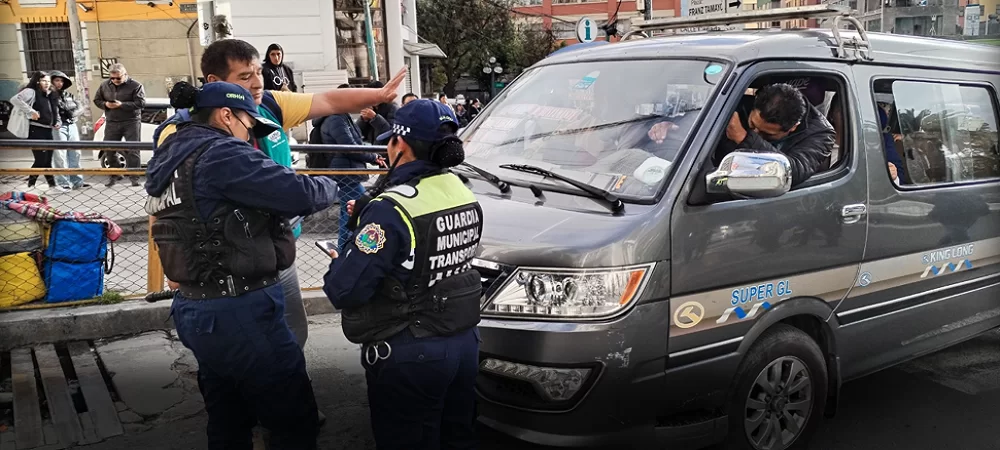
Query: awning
x=423, y=49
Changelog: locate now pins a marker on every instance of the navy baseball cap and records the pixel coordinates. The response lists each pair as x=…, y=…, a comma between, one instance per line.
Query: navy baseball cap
x=420, y=120
x=220, y=94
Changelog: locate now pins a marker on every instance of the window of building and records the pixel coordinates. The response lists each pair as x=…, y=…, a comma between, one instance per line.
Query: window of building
x=38, y=3
x=943, y=133
x=48, y=46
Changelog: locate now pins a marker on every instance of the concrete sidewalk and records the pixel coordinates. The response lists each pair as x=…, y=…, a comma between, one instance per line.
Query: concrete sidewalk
x=37, y=326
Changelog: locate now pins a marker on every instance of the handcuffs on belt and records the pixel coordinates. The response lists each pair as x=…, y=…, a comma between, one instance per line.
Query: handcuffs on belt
x=373, y=353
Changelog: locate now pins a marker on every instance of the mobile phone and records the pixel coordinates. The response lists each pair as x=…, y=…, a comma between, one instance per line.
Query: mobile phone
x=329, y=247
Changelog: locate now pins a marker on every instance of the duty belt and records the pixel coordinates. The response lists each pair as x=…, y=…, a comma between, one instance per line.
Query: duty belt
x=230, y=286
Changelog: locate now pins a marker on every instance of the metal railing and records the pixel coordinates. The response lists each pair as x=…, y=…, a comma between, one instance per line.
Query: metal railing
x=136, y=268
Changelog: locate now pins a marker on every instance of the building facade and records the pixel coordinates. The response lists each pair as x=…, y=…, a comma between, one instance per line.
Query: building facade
x=159, y=41
x=326, y=42
x=913, y=17
x=149, y=38
x=561, y=16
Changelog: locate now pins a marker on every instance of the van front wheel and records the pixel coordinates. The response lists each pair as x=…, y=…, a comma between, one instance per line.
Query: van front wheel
x=780, y=392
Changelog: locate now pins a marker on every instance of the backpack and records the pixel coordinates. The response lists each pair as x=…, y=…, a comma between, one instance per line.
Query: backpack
x=315, y=136
x=181, y=116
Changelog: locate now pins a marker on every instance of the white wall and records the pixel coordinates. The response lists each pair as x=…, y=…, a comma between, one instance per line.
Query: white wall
x=304, y=28
x=394, y=35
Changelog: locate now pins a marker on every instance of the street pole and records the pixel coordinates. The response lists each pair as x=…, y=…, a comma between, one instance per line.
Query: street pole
x=372, y=59
x=493, y=84
x=881, y=20
x=647, y=12
x=80, y=63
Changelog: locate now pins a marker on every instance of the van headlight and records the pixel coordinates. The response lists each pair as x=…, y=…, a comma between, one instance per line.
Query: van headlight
x=585, y=293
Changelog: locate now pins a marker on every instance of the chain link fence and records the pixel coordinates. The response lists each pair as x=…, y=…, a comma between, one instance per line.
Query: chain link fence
x=61, y=245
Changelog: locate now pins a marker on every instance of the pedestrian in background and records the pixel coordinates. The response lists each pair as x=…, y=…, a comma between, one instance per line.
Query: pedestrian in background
x=444, y=101
x=377, y=119
x=463, y=115
x=474, y=107
x=339, y=129
x=69, y=110
x=122, y=100
x=277, y=75
x=37, y=103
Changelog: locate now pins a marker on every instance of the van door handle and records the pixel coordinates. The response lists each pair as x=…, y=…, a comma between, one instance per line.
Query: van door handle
x=853, y=213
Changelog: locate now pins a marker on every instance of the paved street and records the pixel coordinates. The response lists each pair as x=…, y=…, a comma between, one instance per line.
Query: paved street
x=947, y=400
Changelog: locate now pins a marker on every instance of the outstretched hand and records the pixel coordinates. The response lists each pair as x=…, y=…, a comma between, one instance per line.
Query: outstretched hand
x=389, y=93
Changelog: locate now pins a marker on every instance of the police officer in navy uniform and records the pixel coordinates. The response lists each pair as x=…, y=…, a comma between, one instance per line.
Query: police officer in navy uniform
x=407, y=291
x=222, y=233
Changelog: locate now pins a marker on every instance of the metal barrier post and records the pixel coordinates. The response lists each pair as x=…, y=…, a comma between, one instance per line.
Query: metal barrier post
x=154, y=271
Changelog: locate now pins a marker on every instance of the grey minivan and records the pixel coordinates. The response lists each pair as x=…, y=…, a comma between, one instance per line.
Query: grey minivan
x=623, y=305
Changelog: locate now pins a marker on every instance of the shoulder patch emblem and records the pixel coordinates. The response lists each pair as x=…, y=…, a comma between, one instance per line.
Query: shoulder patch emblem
x=370, y=239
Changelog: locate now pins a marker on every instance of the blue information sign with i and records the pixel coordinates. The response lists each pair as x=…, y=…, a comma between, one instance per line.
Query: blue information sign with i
x=586, y=30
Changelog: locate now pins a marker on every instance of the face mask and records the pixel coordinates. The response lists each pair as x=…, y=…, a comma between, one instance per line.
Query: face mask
x=249, y=130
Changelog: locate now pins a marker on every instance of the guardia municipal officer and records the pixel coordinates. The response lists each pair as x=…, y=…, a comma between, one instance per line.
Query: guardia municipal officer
x=222, y=236
x=407, y=290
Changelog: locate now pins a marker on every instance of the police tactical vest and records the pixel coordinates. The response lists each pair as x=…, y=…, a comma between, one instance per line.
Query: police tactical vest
x=441, y=297
x=234, y=251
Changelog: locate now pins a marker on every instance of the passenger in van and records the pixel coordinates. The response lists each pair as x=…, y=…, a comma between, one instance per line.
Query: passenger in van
x=781, y=121
x=889, y=142
x=776, y=120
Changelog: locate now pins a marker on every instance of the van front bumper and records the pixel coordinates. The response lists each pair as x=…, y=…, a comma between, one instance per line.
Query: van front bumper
x=612, y=381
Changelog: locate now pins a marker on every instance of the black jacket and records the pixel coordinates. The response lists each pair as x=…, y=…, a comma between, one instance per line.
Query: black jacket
x=47, y=106
x=69, y=109
x=130, y=93
x=808, y=148
x=385, y=113
x=276, y=76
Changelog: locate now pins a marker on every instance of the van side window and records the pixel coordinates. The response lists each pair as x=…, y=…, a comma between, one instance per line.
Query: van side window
x=945, y=133
x=810, y=129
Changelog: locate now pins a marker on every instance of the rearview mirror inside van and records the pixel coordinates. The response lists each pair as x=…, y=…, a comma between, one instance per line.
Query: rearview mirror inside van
x=749, y=174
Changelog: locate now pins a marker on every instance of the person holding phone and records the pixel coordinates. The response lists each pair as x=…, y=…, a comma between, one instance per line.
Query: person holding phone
x=221, y=209
x=122, y=99
x=407, y=291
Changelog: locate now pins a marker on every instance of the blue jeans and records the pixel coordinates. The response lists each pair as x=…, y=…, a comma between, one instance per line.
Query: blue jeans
x=348, y=189
x=67, y=159
x=422, y=397
x=250, y=369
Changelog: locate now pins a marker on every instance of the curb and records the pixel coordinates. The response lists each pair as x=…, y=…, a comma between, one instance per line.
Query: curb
x=40, y=326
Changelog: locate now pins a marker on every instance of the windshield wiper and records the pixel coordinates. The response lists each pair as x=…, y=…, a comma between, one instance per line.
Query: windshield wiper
x=489, y=177
x=615, y=204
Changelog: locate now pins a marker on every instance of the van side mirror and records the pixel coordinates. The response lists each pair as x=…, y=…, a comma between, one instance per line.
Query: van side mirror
x=753, y=175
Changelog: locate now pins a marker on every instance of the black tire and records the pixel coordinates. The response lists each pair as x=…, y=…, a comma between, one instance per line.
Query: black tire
x=789, y=363
x=104, y=160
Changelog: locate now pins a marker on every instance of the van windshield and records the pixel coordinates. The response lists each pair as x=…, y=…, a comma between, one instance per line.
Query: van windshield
x=616, y=125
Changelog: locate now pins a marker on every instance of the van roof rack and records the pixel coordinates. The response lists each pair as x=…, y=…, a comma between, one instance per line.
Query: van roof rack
x=860, y=45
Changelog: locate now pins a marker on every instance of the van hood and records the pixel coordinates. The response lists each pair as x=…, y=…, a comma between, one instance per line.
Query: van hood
x=568, y=231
